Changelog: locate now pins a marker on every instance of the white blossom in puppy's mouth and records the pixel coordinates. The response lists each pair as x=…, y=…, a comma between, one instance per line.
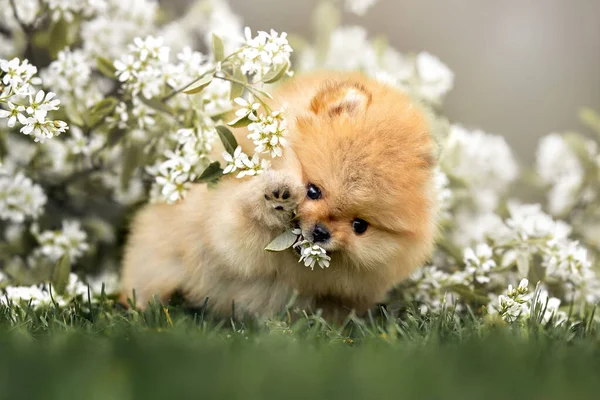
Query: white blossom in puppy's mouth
x=311, y=254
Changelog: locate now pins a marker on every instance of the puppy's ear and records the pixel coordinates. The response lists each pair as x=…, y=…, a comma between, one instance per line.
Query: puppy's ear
x=336, y=98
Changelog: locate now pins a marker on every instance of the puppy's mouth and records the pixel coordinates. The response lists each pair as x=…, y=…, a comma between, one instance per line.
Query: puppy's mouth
x=327, y=246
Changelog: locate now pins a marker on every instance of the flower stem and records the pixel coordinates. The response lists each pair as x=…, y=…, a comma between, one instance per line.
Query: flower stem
x=181, y=89
x=257, y=93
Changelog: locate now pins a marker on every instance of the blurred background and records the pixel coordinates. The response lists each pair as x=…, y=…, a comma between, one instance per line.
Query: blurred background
x=522, y=69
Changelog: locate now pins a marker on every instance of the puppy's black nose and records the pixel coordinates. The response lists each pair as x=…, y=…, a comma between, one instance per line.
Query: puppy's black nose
x=320, y=234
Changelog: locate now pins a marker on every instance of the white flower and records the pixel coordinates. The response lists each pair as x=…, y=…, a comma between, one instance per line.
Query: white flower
x=109, y=33
x=350, y=49
x=12, y=114
x=174, y=176
x=110, y=281
x=235, y=161
x=264, y=52
x=430, y=289
x=435, y=78
x=567, y=260
x=312, y=254
x=444, y=194
x=44, y=295
x=268, y=133
x=19, y=77
x=248, y=108
x=475, y=227
x=216, y=97
x=67, y=9
x=39, y=128
x=175, y=173
x=479, y=262
x=143, y=69
x=550, y=308
x=253, y=166
x=75, y=287
x=483, y=161
x=529, y=221
x=26, y=294
x=247, y=166
x=559, y=167
x=83, y=145
x=515, y=304
x=150, y=48
x=71, y=240
x=19, y=197
x=223, y=23
x=18, y=80
x=359, y=7
x=126, y=67
x=42, y=103
x=27, y=10
x=519, y=305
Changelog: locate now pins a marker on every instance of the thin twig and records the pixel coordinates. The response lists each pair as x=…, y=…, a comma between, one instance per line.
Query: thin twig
x=27, y=28
x=181, y=89
x=251, y=89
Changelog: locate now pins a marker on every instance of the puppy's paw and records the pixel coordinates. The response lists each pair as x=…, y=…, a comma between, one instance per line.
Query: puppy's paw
x=282, y=194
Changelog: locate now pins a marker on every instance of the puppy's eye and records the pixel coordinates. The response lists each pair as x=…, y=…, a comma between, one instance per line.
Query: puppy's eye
x=313, y=192
x=359, y=226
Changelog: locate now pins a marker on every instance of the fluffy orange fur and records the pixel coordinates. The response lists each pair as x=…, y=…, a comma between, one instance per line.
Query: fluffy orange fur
x=369, y=149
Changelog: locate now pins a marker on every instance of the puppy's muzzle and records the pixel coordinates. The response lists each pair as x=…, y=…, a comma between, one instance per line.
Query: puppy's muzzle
x=320, y=234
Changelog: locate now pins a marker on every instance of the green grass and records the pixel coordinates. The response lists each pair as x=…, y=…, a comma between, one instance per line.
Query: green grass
x=107, y=353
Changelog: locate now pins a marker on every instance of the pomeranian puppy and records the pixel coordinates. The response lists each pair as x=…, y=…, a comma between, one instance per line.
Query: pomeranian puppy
x=358, y=175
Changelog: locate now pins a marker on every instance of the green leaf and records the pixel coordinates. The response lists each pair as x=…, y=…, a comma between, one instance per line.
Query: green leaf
x=101, y=109
x=218, y=48
x=115, y=135
x=282, y=242
x=74, y=117
x=297, y=42
x=523, y=263
x=240, y=122
x=468, y=294
x=590, y=118
x=20, y=274
x=156, y=104
x=262, y=92
x=59, y=37
x=60, y=274
x=276, y=73
x=106, y=67
x=132, y=158
x=227, y=139
x=326, y=19
x=380, y=45
x=580, y=146
x=3, y=147
x=199, y=85
x=212, y=173
x=237, y=89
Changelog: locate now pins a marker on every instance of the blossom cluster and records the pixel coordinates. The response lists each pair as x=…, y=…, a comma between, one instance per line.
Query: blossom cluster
x=266, y=132
x=349, y=48
x=311, y=254
x=264, y=52
x=54, y=244
x=26, y=105
x=511, y=249
x=180, y=167
x=20, y=197
x=44, y=295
